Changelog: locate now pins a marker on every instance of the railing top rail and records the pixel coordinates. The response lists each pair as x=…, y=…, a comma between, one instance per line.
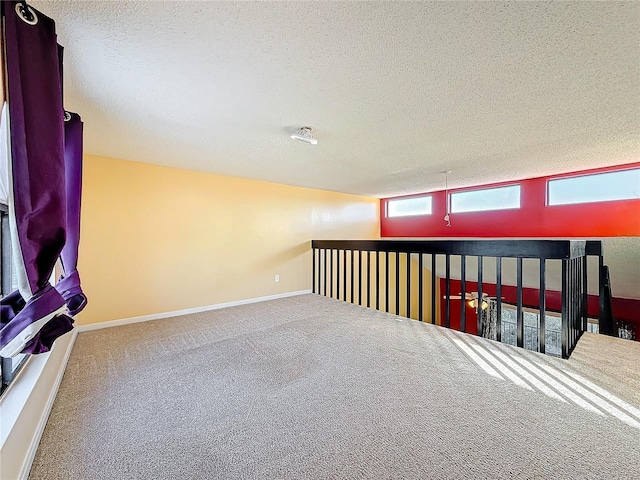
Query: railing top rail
x=593, y=247
x=551, y=249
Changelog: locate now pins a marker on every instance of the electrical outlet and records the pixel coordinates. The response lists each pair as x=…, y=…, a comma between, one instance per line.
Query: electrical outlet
x=276, y=278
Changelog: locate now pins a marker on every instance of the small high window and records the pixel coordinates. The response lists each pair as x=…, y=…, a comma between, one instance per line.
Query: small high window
x=597, y=187
x=499, y=198
x=407, y=207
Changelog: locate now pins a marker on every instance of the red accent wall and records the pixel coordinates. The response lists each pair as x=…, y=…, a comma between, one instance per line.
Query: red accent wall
x=534, y=219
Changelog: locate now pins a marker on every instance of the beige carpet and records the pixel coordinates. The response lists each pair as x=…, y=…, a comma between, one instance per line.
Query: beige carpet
x=312, y=388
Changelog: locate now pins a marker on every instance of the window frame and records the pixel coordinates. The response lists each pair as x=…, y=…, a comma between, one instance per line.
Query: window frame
x=8, y=370
x=473, y=190
x=400, y=199
x=584, y=175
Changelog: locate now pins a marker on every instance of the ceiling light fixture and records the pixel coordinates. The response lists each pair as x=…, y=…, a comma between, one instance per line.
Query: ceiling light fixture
x=305, y=135
x=474, y=304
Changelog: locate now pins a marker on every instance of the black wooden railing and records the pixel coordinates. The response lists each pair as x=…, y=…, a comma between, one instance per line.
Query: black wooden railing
x=368, y=272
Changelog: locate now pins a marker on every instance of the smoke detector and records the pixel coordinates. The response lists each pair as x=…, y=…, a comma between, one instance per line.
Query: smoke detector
x=305, y=135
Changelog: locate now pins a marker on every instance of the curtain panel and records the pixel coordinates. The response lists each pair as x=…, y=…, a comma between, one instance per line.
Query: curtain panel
x=43, y=172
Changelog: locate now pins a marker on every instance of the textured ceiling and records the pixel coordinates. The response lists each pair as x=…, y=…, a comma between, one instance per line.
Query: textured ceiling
x=396, y=92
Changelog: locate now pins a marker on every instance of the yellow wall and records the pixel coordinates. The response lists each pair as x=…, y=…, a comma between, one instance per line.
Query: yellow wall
x=156, y=239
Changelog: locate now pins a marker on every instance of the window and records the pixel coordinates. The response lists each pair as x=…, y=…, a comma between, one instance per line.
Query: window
x=8, y=366
x=500, y=198
x=597, y=187
x=406, y=207
x=531, y=320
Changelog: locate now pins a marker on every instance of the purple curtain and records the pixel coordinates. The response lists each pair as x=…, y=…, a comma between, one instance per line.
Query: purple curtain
x=69, y=284
x=37, y=197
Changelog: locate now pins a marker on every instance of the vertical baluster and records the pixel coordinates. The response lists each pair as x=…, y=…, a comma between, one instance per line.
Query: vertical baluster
x=575, y=294
x=585, y=312
x=313, y=270
x=344, y=274
x=604, y=322
x=565, y=318
x=352, y=279
x=386, y=275
x=520, y=316
x=408, y=284
x=377, y=280
x=360, y=278
x=479, y=312
x=368, y=279
x=331, y=272
x=572, y=292
x=420, y=292
x=325, y=272
x=447, y=308
x=338, y=274
x=543, y=308
x=577, y=299
x=433, y=288
x=571, y=305
x=397, y=283
x=463, y=293
x=578, y=295
x=499, y=299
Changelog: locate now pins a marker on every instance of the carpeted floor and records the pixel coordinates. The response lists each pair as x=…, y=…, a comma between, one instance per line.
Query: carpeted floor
x=313, y=388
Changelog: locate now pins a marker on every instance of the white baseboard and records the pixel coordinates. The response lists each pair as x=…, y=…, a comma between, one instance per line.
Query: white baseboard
x=27, y=404
x=186, y=311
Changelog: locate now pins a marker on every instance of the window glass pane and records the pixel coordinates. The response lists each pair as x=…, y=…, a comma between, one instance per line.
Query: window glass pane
x=599, y=187
x=405, y=207
x=500, y=198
